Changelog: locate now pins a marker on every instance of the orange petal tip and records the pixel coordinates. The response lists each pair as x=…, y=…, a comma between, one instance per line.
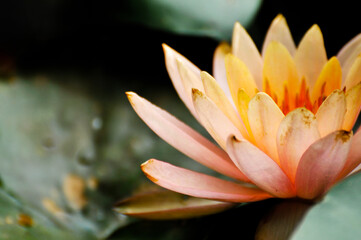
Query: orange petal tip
x=130, y=94
x=196, y=92
x=279, y=18
x=144, y=167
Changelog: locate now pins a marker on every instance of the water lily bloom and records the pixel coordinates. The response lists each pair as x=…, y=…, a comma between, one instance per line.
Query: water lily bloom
x=282, y=118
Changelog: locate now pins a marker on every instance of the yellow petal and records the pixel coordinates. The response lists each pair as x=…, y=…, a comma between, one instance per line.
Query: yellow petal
x=264, y=118
x=215, y=93
x=330, y=79
x=244, y=48
x=311, y=55
x=219, y=67
x=331, y=113
x=353, y=104
x=280, y=71
x=354, y=75
x=239, y=76
x=242, y=106
x=280, y=32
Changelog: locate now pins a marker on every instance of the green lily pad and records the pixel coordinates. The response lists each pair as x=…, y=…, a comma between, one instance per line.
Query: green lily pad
x=19, y=222
x=214, y=18
x=338, y=216
x=70, y=158
x=48, y=150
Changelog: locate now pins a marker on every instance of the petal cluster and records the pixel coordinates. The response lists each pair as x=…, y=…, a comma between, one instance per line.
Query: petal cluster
x=282, y=118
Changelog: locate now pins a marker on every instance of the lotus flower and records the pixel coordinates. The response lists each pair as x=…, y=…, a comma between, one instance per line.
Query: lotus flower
x=282, y=118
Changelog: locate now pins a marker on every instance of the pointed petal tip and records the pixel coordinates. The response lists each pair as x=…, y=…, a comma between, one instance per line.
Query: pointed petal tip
x=165, y=46
x=143, y=165
x=167, y=50
x=237, y=25
x=334, y=58
x=278, y=18
x=205, y=74
x=146, y=166
x=315, y=27
x=196, y=93
x=223, y=45
x=130, y=94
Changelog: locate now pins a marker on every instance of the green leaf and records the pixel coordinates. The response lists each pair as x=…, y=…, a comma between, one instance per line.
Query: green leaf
x=214, y=18
x=48, y=153
x=338, y=216
x=70, y=157
x=19, y=222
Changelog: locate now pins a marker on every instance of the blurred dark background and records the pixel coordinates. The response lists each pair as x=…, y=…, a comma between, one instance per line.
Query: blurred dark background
x=92, y=37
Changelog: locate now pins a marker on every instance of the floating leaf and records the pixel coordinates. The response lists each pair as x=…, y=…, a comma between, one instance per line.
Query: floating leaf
x=19, y=222
x=213, y=18
x=48, y=150
x=338, y=216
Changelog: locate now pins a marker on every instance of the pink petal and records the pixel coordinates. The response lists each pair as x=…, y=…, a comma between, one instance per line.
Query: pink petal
x=213, y=119
x=330, y=115
x=184, y=138
x=244, y=48
x=219, y=67
x=321, y=164
x=199, y=185
x=172, y=59
x=354, y=74
x=279, y=31
x=348, y=54
x=260, y=168
x=297, y=131
x=216, y=94
x=354, y=156
x=264, y=118
x=189, y=78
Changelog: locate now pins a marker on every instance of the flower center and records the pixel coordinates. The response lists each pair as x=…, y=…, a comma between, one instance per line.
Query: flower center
x=302, y=97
